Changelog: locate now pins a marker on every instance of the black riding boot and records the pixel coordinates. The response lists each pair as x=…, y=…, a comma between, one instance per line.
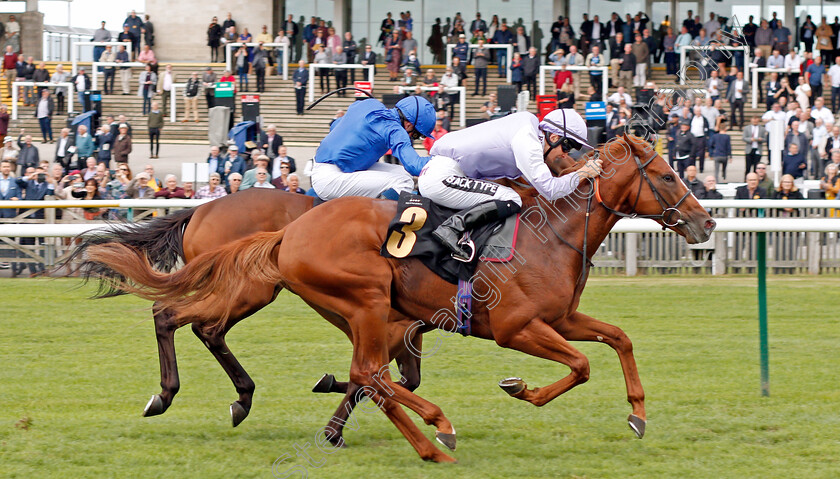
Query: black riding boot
x=450, y=231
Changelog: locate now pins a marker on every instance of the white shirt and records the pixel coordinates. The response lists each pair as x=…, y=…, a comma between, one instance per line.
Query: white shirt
x=617, y=97
x=772, y=115
x=275, y=170
x=62, y=145
x=714, y=84
x=596, y=31
x=739, y=89
x=167, y=81
x=697, y=127
x=825, y=114
x=834, y=75
x=755, y=137
x=264, y=185
x=820, y=134
x=43, y=109
x=793, y=62
x=711, y=114
x=801, y=95
x=449, y=80
x=80, y=83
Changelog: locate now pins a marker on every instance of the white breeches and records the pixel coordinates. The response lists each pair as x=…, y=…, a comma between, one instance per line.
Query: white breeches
x=443, y=182
x=330, y=182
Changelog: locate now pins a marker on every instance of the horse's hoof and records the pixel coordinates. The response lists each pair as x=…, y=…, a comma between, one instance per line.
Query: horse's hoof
x=447, y=440
x=154, y=406
x=337, y=442
x=637, y=424
x=325, y=384
x=512, y=386
x=237, y=413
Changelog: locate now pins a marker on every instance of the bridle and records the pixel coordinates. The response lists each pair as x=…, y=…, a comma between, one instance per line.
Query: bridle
x=670, y=216
x=666, y=216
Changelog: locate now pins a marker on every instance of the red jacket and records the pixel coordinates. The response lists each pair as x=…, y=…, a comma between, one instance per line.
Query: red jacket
x=430, y=140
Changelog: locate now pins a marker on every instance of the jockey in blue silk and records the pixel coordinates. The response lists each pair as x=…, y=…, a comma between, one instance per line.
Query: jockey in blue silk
x=347, y=161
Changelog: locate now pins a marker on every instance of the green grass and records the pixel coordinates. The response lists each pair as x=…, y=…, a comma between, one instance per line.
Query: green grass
x=78, y=373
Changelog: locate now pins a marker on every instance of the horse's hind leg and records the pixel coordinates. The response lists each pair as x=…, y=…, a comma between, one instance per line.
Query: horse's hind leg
x=165, y=327
x=580, y=327
x=215, y=342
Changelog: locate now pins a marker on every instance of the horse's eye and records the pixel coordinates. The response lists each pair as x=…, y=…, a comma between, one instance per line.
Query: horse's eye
x=668, y=178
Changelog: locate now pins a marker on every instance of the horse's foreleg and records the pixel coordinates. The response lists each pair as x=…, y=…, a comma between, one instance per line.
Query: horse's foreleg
x=335, y=426
x=408, y=361
x=539, y=339
x=580, y=327
x=165, y=327
x=215, y=342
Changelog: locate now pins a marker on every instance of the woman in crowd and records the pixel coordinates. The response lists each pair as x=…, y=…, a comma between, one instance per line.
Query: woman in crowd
x=393, y=55
x=830, y=183
x=246, y=37
x=170, y=189
x=802, y=93
x=116, y=188
x=430, y=79
x=234, y=182
x=90, y=192
x=323, y=57
x=787, y=191
x=333, y=41
x=60, y=76
x=566, y=96
x=189, y=192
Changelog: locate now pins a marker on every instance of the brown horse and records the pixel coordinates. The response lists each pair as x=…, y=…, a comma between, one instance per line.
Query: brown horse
x=330, y=258
x=183, y=236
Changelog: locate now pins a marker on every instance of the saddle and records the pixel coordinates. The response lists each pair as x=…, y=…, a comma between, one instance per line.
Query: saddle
x=410, y=236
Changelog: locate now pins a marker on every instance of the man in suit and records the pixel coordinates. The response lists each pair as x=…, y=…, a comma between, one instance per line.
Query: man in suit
x=164, y=87
x=270, y=141
x=28, y=156
x=281, y=159
x=9, y=190
x=531, y=68
x=65, y=147
x=36, y=185
x=684, y=147
x=750, y=191
x=753, y=136
x=611, y=122
x=736, y=94
x=478, y=24
x=216, y=162
x=596, y=33
x=292, y=31
x=613, y=27
x=82, y=84
x=368, y=58
x=300, y=79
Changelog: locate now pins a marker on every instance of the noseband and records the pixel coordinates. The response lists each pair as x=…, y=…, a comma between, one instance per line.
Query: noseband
x=670, y=215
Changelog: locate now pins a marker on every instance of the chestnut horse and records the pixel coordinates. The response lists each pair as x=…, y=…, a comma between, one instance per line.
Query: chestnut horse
x=186, y=234
x=330, y=257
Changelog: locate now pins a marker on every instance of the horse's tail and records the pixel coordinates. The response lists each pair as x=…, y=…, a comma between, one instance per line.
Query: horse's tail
x=159, y=240
x=216, y=277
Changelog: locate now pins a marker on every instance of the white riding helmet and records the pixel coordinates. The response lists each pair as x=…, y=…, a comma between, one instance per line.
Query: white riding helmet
x=567, y=123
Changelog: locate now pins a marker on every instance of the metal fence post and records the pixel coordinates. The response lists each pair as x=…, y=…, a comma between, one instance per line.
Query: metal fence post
x=813, y=242
x=49, y=243
x=631, y=251
x=761, y=246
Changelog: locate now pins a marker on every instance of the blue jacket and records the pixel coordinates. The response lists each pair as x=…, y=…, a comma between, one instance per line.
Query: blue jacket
x=461, y=50
x=101, y=140
x=502, y=37
x=237, y=165
x=366, y=132
x=720, y=145
x=13, y=192
x=301, y=76
x=516, y=72
x=791, y=164
x=34, y=191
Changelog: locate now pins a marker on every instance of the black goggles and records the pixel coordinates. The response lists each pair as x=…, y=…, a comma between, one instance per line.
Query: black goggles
x=568, y=145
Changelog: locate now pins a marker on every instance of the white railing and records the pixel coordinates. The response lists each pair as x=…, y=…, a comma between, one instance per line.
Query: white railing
x=473, y=46
x=16, y=84
x=702, y=48
x=95, y=72
x=333, y=66
x=75, y=51
x=173, y=103
x=754, y=86
x=462, y=101
x=229, y=55
x=604, y=75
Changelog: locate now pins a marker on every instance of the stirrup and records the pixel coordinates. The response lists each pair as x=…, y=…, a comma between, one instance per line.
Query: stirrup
x=470, y=245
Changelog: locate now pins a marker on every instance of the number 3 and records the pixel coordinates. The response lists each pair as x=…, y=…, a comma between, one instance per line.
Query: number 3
x=400, y=243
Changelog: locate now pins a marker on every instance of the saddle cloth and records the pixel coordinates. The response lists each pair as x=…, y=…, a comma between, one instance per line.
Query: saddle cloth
x=410, y=236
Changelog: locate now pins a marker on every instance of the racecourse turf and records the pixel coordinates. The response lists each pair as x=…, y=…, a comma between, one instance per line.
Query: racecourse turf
x=76, y=375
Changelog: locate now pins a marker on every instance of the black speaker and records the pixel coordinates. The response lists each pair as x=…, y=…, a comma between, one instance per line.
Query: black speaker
x=390, y=99
x=506, y=96
x=644, y=96
x=475, y=121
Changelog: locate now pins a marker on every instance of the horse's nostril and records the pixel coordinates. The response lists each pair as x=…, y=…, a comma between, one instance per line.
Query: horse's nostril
x=710, y=225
